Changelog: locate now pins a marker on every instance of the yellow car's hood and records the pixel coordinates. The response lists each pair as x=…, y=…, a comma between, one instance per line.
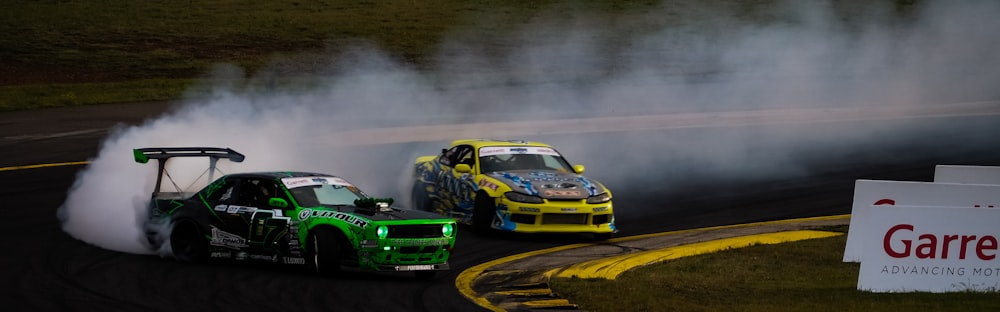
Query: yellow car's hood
x=550, y=184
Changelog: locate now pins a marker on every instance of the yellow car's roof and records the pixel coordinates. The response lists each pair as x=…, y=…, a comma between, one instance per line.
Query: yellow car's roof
x=477, y=143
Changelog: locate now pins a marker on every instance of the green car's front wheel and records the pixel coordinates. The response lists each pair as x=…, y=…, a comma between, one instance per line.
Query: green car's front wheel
x=324, y=251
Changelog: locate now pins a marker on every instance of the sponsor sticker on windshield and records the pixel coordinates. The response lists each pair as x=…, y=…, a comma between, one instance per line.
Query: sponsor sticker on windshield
x=310, y=181
x=504, y=150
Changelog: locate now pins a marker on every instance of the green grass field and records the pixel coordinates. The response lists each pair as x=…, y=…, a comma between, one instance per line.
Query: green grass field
x=799, y=276
x=64, y=53
x=61, y=53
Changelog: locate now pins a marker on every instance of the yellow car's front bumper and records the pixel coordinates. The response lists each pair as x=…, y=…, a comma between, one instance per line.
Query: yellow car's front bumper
x=555, y=217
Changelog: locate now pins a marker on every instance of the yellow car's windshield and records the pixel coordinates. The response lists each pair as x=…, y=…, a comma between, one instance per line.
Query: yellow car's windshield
x=493, y=159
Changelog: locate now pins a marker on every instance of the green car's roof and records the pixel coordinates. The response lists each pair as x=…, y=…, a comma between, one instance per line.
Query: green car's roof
x=275, y=175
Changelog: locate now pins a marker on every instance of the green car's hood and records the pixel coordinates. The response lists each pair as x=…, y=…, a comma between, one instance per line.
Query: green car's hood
x=360, y=216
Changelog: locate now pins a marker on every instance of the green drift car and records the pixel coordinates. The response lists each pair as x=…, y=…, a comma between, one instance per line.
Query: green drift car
x=317, y=221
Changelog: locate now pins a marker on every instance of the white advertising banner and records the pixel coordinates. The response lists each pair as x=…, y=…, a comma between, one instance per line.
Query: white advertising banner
x=931, y=249
x=874, y=194
x=967, y=174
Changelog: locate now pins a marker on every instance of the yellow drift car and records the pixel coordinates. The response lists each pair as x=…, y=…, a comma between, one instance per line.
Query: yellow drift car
x=512, y=186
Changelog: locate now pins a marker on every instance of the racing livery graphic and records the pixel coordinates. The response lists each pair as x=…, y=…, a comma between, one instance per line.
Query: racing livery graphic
x=512, y=186
x=317, y=221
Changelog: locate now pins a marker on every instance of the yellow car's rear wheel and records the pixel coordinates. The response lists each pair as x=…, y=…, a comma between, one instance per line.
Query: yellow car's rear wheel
x=419, y=198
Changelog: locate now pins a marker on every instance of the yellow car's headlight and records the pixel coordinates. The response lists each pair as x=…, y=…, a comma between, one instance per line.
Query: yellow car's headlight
x=523, y=198
x=599, y=198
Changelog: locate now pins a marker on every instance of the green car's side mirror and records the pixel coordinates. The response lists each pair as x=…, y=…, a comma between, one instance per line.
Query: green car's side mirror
x=578, y=169
x=277, y=202
x=463, y=168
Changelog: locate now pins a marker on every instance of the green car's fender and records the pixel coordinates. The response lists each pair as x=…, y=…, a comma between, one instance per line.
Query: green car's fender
x=350, y=225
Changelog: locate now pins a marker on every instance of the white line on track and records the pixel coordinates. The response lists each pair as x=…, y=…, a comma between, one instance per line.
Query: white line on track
x=658, y=122
x=54, y=135
x=432, y=133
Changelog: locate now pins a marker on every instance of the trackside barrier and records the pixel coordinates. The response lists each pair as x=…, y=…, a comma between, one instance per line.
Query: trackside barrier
x=932, y=249
x=967, y=174
x=870, y=195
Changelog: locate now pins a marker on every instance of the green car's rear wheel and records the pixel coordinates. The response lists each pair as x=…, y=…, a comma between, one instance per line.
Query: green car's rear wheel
x=187, y=243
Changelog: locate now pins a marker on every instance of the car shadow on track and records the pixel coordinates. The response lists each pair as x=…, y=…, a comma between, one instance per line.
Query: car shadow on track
x=545, y=238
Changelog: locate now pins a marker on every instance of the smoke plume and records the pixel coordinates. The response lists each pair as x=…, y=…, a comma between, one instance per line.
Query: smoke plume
x=368, y=120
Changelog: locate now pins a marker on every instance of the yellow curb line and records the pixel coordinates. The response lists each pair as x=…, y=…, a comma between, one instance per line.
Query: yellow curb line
x=465, y=279
x=72, y=163
x=527, y=292
x=550, y=303
x=611, y=267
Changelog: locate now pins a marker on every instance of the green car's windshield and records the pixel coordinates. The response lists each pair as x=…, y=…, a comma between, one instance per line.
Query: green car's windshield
x=323, y=191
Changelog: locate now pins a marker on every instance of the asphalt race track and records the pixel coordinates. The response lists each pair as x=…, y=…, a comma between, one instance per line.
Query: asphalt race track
x=44, y=269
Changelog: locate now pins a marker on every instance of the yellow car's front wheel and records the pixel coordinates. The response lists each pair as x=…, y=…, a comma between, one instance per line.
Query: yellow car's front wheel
x=483, y=212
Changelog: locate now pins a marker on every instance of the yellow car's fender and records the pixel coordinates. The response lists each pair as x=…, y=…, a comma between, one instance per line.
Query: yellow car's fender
x=491, y=186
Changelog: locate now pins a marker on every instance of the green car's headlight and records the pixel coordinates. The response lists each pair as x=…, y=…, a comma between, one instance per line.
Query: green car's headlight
x=523, y=198
x=599, y=199
x=447, y=229
x=382, y=231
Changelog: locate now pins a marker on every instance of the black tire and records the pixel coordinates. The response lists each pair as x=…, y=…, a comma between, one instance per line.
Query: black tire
x=187, y=243
x=425, y=275
x=483, y=213
x=324, y=251
x=418, y=197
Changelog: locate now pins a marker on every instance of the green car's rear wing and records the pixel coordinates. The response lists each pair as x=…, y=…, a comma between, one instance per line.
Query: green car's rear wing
x=162, y=154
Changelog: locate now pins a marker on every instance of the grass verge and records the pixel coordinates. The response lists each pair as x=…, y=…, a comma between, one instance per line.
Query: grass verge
x=35, y=96
x=64, y=53
x=799, y=276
